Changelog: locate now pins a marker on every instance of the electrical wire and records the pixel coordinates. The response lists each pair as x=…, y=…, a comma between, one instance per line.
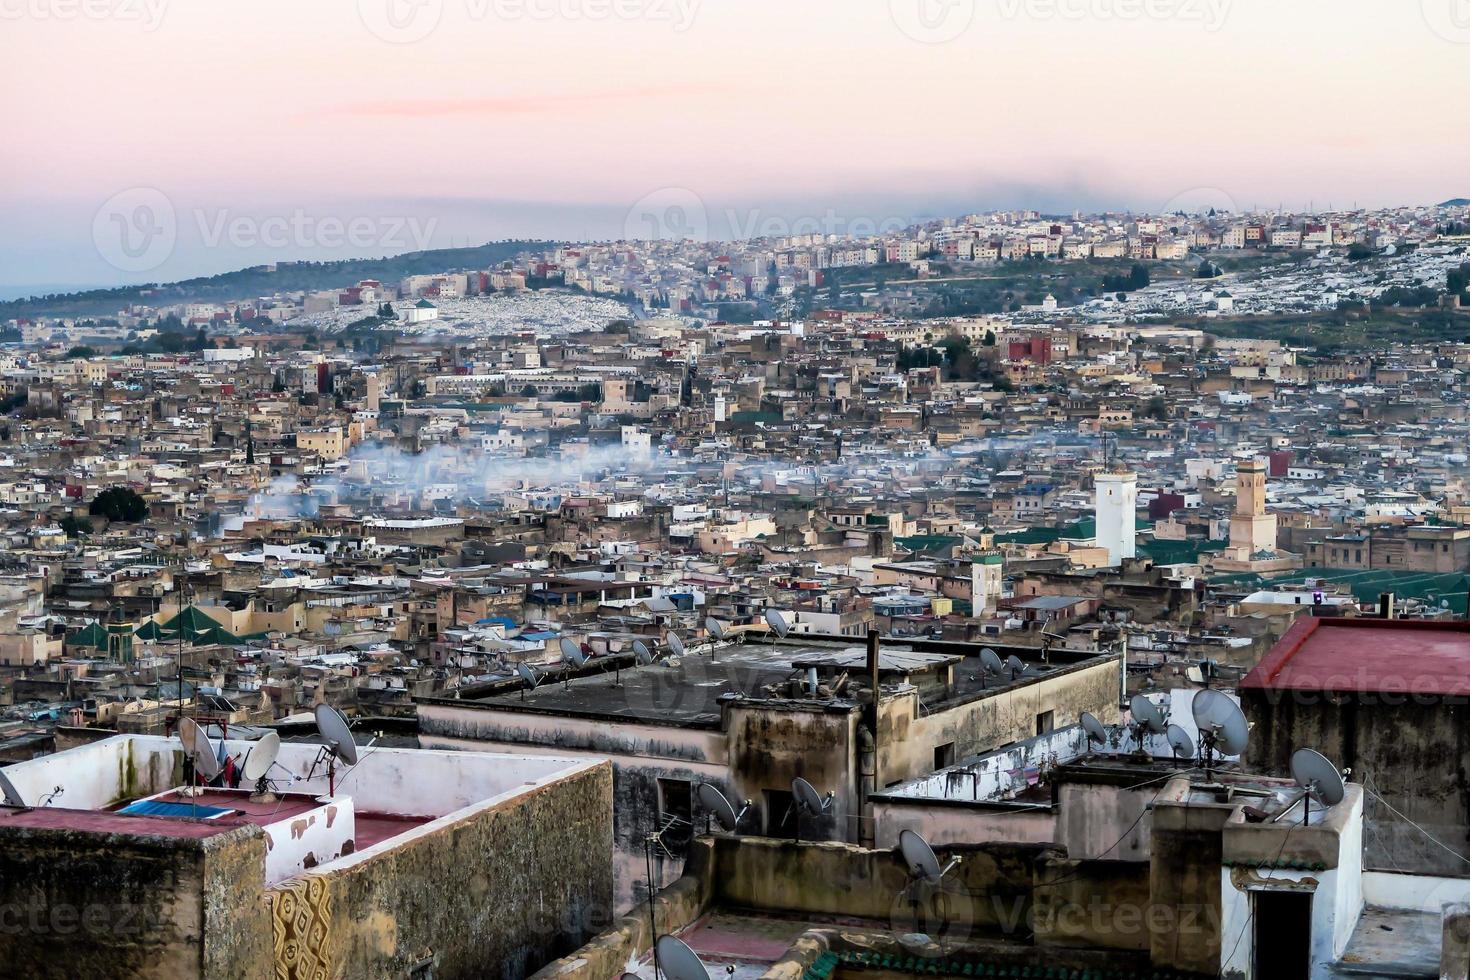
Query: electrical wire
x=1249, y=918
x=1432, y=839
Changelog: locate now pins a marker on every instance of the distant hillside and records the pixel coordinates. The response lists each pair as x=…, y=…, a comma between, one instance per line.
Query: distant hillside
x=1456, y=202
x=287, y=277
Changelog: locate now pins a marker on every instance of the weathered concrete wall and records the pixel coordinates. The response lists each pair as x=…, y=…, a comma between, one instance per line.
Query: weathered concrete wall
x=907, y=737
x=770, y=745
x=93, y=904
x=940, y=822
x=497, y=892
x=1184, y=874
x=1412, y=751
x=1096, y=905
x=675, y=907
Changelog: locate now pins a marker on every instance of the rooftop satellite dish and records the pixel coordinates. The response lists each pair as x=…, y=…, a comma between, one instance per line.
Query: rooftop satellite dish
x=715, y=804
x=676, y=645
x=1146, y=714
x=678, y=961
x=641, y=651
x=200, y=755
x=337, y=734
x=715, y=628
x=1014, y=666
x=571, y=652
x=777, y=623
x=8, y=790
x=1094, y=729
x=1181, y=743
x=1222, y=726
x=991, y=661
x=808, y=801
x=1319, y=780
x=920, y=859
x=529, y=675
x=258, y=763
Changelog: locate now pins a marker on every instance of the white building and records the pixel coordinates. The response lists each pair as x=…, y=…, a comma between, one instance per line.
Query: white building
x=1116, y=502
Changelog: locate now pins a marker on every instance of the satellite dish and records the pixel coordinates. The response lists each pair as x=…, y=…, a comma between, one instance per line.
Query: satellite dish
x=777, y=623
x=676, y=645
x=991, y=661
x=1014, y=665
x=678, y=961
x=920, y=859
x=1222, y=727
x=641, y=651
x=198, y=748
x=715, y=628
x=571, y=651
x=1146, y=714
x=807, y=797
x=1181, y=743
x=334, y=728
x=1094, y=728
x=529, y=675
x=262, y=756
x=8, y=790
x=1316, y=774
x=714, y=803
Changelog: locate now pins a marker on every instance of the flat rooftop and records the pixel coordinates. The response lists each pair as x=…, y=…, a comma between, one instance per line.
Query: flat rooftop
x=1367, y=655
x=687, y=692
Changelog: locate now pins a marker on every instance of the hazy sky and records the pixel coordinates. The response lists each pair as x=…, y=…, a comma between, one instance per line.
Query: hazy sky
x=226, y=132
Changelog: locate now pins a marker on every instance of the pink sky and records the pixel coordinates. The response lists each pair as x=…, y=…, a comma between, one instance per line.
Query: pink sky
x=270, y=105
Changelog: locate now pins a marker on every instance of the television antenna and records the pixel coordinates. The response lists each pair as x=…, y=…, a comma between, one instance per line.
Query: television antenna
x=200, y=760
x=1146, y=719
x=1319, y=780
x=808, y=801
x=1181, y=743
x=777, y=623
x=717, y=806
x=340, y=747
x=1222, y=726
x=258, y=764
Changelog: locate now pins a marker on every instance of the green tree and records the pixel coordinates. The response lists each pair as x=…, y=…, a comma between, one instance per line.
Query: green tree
x=75, y=526
x=80, y=351
x=119, y=504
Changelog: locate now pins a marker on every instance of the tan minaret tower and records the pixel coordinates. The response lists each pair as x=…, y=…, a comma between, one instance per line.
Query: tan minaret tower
x=1252, y=530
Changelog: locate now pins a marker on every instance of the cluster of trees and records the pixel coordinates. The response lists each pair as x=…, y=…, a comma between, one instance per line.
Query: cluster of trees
x=957, y=359
x=119, y=504
x=1208, y=270
x=1137, y=278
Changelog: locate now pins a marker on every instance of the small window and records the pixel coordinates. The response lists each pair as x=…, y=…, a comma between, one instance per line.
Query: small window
x=675, y=813
x=1045, y=723
x=944, y=755
x=780, y=813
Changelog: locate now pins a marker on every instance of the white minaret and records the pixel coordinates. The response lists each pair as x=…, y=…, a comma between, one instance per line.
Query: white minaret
x=1117, y=528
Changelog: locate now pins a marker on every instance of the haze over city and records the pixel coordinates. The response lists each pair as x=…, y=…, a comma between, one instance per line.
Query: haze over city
x=548, y=120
